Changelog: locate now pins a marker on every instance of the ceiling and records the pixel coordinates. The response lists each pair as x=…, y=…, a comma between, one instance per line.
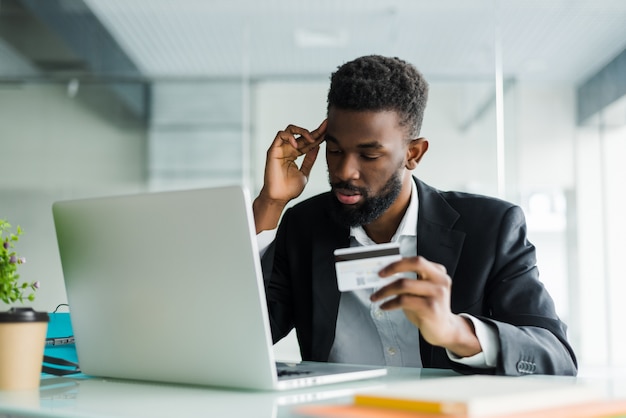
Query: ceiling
x=540, y=40
x=543, y=40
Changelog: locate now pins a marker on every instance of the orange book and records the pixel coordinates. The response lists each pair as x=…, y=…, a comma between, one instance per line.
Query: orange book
x=596, y=409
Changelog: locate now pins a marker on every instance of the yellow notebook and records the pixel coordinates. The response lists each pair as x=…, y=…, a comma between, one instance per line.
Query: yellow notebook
x=479, y=396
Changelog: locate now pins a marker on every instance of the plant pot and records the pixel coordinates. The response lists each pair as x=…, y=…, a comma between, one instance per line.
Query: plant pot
x=22, y=342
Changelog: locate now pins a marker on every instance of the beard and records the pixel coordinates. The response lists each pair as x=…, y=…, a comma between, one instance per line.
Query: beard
x=371, y=207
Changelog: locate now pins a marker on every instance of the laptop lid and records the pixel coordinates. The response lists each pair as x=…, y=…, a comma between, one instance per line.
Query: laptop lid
x=168, y=287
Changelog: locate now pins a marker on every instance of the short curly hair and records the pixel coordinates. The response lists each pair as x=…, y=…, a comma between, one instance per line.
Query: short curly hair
x=377, y=83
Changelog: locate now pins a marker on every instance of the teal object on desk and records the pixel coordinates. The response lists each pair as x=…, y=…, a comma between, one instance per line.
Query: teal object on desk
x=60, y=350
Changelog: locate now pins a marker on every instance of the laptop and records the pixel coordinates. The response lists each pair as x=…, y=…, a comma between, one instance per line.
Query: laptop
x=168, y=287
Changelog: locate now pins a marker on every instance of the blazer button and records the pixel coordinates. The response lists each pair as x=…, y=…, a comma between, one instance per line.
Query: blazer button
x=526, y=367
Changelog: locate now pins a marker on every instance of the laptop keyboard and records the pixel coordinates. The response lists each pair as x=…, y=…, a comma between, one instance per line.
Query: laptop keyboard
x=291, y=372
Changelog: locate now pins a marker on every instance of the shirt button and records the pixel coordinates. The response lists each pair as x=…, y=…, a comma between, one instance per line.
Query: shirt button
x=391, y=351
x=378, y=314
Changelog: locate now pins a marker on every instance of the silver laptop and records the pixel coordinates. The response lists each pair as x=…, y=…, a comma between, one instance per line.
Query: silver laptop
x=168, y=287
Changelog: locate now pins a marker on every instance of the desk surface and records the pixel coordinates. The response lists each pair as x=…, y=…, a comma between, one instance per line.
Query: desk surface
x=95, y=397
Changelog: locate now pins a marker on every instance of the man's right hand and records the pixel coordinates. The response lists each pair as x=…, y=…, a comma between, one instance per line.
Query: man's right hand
x=284, y=180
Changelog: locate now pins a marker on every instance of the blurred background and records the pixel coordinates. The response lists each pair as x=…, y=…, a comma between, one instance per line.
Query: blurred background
x=527, y=102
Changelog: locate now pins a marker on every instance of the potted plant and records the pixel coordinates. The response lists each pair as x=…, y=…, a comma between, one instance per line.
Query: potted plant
x=22, y=330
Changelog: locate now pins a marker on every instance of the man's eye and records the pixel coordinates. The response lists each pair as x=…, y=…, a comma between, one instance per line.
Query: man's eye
x=369, y=157
x=333, y=151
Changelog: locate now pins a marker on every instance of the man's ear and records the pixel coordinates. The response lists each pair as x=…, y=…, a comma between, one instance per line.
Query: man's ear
x=415, y=152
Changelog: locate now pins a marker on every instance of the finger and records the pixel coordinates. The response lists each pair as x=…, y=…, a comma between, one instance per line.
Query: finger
x=282, y=138
x=425, y=269
x=312, y=140
x=320, y=132
x=314, y=136
x=403, y=287
x=309, y=160
x=289, y=136
x=405, y=264
x=407, y=302
x=306, y=147
x=302, y=136
x=298, y=136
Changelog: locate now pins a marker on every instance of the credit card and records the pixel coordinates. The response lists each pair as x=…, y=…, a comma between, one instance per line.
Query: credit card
x=358, y=267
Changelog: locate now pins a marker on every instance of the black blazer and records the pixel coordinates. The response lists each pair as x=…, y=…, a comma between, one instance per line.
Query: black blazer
x=482, y=243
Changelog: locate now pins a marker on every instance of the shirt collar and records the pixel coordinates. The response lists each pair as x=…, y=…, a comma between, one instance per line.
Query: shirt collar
x=407, y=227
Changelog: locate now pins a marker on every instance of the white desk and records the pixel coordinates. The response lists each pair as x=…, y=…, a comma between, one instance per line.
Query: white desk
x=95, y=397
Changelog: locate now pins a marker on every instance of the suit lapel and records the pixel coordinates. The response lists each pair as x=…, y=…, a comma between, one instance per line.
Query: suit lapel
x=436, y=240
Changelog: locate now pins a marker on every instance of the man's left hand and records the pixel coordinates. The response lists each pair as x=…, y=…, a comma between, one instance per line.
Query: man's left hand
x=426, y=303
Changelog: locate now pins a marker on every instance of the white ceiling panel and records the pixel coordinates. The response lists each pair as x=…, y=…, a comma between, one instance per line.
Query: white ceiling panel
x=541, y=39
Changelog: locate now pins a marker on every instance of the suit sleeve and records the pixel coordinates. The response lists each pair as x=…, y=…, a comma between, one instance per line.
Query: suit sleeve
x=277, y=284
x=533, y=340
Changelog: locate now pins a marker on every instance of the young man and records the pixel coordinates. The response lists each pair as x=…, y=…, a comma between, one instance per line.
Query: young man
x=477, y=306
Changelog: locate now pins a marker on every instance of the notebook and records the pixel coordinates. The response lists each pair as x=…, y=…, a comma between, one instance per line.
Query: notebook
x=168, y=287
x=480, y=395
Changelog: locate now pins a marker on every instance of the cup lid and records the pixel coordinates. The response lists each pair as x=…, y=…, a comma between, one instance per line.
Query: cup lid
x=23, y=315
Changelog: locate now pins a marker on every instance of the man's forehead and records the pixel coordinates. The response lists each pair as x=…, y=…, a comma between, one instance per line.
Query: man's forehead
x=367, y=126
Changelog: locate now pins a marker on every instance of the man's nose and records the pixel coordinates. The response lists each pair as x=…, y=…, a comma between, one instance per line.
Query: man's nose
x=348, y=168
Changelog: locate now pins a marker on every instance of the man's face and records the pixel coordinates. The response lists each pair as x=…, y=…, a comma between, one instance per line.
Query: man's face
x=366, y=154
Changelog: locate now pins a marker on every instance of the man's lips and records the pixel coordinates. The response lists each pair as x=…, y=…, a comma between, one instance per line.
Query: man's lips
x=348, y=197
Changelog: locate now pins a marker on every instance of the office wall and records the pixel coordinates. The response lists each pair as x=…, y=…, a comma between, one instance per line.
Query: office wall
x=601, y=230
x=197, y=134
x=54, y=147
x=543, y=119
